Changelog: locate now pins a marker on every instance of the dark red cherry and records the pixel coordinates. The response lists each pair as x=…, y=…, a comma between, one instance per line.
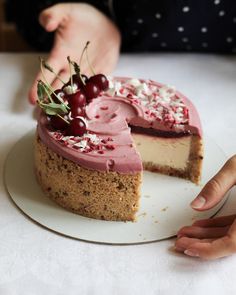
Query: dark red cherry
x=60, y=93
x=77, y=80
x=77, y=127
x=58, y=123
x=78, y=112
x=100, y=80
x=91, y=90
x=77, y=100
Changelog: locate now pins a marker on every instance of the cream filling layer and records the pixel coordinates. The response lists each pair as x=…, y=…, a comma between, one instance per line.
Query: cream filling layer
x=172, y=152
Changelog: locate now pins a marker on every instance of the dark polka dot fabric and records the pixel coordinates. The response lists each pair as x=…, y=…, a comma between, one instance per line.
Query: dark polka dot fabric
x=162, y=25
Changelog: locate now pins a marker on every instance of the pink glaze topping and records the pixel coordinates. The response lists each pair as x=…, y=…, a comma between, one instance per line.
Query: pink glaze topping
x=108, y=144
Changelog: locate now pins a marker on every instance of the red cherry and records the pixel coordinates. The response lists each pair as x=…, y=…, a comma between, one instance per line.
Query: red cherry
x=100, y=80
x=58, y=123
x=60, y=93
x=77, y=127
x=78, y=112
x=91, y=90
x=77, y=99
x=77, y=80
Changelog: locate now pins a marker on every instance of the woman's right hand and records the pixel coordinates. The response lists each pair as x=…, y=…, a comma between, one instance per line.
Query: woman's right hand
x=75, y=24
x=216, y=237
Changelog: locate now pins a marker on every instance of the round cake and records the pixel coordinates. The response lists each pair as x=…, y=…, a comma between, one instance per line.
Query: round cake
x=131, y=125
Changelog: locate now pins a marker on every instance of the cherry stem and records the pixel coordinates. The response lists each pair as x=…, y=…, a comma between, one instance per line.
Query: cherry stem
x=47, y=85
x=82, y=54
x=90, y=66
x=85, y=51
x=71, y=78
x=46, y=89
x=50, y=69
x=63, y=119
x=78, y=72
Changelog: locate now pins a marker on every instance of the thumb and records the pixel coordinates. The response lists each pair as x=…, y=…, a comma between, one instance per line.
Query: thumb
x=51, y=17
x=214, y=191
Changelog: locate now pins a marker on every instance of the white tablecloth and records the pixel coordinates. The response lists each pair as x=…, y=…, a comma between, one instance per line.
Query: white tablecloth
x=36, y=261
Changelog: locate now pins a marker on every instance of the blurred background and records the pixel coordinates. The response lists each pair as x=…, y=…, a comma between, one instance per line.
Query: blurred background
x=10, y=40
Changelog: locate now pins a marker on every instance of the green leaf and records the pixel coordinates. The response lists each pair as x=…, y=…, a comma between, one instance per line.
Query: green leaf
x=41, y=91
x=53, y=108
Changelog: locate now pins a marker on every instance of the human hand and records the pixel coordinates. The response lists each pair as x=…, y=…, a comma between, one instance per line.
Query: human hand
x=211, y=238
x=75, y=24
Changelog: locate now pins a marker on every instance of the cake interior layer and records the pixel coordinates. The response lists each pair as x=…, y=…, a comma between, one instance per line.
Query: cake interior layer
x=91, y=193
x=162, y=151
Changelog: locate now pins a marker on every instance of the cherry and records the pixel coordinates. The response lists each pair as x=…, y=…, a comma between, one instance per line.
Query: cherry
x=78, y=112
x=100, y=80
x=58, y=123
x=77, y=127
x=77, y=99
x=91, y=90
x=77, y=80
x=59, y=93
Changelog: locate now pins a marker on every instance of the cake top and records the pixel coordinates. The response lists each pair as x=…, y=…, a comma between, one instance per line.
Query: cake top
x=159, y=102
x=88, y=120
x=106, y=143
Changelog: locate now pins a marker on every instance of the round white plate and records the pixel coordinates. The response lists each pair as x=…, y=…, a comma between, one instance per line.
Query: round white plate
x=164, y=203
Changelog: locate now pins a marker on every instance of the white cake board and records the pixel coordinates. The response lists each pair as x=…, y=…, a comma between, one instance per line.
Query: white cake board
x=164, y=203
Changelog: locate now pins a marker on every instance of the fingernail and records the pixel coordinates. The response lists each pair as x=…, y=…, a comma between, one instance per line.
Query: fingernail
x=198, y=203
x=191, y=253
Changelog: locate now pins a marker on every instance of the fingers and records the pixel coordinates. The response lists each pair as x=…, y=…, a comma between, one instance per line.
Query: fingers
x=203, y=232
x=52, y=17
x=208, y=243
x=206, y=248
x=214, y=191
x=222, y=247
x=218, y=221
x=185, y=243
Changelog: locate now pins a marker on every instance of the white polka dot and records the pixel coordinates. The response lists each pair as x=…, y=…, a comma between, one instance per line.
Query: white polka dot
x=139, y=20
x=186, y=9
x=204, y=29
x=234, y=20
x=217, y=2
x=229, y=39
x=222, y=13
x=205, y=44
x=154, y=35
x=180, y=29
x=163, y=44
x=185, y=40
x=158, y=15
x=135, y=32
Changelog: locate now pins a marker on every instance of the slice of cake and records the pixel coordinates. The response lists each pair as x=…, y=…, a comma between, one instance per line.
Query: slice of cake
x=91, y=148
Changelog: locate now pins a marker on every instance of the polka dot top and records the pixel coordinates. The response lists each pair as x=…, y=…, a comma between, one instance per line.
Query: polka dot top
x=163, y=25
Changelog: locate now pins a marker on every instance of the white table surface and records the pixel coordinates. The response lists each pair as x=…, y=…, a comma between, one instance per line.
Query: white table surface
x=36, y=261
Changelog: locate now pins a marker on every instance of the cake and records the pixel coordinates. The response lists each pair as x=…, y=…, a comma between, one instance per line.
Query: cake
x=129, y=126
